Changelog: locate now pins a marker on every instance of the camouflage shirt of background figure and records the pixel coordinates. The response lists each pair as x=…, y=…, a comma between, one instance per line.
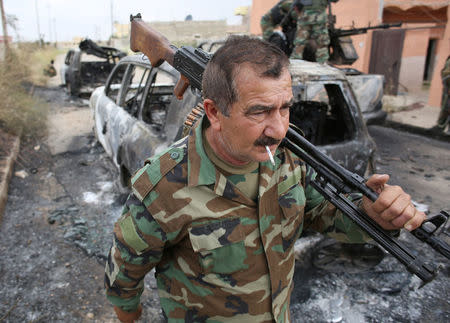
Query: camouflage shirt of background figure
x=50, y=70
x=444, y=115
x=300, y=26
x=218, y=254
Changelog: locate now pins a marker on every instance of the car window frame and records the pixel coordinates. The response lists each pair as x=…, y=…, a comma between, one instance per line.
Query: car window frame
x=112, y=76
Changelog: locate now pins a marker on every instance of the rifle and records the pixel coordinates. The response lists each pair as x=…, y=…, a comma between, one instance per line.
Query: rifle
x=335, y=33
x=343, y=51
x=332, y=180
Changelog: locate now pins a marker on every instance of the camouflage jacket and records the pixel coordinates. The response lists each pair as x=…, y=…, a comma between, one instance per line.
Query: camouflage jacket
x=219, y=256
x=445, y=74
x=292, y=24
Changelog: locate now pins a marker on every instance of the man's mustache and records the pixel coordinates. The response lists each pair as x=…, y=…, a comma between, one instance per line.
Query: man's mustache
x=266, y=141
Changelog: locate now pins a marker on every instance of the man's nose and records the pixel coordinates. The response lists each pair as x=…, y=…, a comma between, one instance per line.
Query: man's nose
x=276, y=125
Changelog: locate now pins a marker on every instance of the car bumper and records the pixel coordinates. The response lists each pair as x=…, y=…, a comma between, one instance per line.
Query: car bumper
x=374, y=117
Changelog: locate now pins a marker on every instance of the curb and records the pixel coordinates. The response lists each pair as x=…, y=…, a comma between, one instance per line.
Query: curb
x=427, y=132
x=7, y=168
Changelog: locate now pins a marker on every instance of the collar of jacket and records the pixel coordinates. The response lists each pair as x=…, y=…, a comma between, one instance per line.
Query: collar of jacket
x=201, y=171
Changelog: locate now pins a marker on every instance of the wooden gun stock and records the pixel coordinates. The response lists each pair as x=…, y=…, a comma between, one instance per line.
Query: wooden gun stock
x=156, y=47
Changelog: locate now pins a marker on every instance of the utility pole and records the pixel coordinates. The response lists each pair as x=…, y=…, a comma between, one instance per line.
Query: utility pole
x=112, y=25
x=5, y=31
x=54, y=29
x=49, y=24
x=37, y=21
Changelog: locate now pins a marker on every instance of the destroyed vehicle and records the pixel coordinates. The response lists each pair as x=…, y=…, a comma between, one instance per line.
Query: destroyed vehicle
x=137, y=115
x=368, y=89
x=88, y=66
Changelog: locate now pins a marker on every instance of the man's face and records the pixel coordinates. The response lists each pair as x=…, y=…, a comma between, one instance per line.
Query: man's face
x=260, y=117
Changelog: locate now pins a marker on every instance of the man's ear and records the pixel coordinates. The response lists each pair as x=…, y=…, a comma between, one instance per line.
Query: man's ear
x=213, y=113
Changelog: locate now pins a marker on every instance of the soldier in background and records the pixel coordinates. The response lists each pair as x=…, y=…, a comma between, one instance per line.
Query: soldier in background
x=50, y=69
x=444, y=115
x=300, y=21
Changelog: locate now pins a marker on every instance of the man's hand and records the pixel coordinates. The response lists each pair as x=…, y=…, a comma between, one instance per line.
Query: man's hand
x=393, y=209
x=128, y=317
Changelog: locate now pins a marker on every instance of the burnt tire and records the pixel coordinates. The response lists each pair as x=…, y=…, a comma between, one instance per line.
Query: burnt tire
x=125, y=177
x=334, y=256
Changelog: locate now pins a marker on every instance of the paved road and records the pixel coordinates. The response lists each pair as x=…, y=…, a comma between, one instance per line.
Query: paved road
x=419, y=164
x=343, y=285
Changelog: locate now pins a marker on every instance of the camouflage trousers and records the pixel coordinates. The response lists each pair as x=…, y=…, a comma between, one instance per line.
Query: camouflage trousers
x=444, y=115
x=311, y=25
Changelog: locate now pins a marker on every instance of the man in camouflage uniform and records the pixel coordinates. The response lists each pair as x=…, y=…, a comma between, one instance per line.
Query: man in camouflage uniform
x=50, y=70
x=444, y=115
x=300, y=20
x=219, y=221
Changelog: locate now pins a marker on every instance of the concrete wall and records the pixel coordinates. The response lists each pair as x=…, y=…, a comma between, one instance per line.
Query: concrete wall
x=413, y=59
x=443, y=51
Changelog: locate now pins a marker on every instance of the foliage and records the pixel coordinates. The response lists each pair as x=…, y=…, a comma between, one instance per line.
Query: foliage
x=20, y=112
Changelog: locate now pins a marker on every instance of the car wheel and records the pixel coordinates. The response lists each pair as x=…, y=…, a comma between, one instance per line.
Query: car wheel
x=71, y=89
x=125, y=177
x=335, y=256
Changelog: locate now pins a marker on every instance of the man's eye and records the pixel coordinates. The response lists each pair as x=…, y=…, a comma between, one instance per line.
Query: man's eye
x=259, y=112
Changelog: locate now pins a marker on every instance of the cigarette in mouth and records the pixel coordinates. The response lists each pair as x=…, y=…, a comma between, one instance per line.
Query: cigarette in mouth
x=270, y=155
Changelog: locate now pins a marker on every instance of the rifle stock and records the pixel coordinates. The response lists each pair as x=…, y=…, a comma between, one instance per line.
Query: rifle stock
x=156, y=47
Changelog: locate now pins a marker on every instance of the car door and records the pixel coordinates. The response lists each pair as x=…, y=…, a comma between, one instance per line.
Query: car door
x=104, y=101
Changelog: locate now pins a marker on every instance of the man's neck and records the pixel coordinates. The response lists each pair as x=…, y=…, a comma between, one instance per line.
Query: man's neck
x=217, y=147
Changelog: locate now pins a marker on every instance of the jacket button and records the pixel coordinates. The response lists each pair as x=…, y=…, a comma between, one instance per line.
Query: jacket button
x=174, y=155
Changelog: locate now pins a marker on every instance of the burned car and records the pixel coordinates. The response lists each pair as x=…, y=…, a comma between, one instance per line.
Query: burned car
x=136, y=114
x=368, y=89
x=88, y=66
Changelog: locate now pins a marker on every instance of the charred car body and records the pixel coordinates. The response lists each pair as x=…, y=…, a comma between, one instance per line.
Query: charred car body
x=368, y=88
x=88, y=66
x=136, y=114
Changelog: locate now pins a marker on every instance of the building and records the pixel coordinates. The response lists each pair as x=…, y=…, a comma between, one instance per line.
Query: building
x=409, y=56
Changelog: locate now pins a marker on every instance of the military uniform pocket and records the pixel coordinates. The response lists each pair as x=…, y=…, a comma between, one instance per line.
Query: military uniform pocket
x=220, y=246
x=292, y=204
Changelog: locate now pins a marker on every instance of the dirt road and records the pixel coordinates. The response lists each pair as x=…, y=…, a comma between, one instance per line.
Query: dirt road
x=57, y=225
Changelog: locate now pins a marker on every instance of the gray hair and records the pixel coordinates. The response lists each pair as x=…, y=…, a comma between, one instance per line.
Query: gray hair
x=218, y=79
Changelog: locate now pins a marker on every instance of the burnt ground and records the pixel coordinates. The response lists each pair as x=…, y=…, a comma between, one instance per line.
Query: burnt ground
x=56, y=230
x=349, y=285
x=57, y=226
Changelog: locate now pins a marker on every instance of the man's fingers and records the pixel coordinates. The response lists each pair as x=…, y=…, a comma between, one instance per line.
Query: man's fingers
x=411, y=222
x=386, y=199
x=399, y=206
x=376, y=182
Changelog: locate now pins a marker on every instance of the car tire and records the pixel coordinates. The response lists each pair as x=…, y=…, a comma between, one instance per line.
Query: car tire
x=125, y=177
x=69, y=88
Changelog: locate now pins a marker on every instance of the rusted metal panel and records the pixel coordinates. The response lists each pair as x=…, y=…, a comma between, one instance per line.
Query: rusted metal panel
x=386, y=56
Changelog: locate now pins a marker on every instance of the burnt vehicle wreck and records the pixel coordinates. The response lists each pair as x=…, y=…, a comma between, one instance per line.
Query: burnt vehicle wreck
x=88, y=66
x=137, y=115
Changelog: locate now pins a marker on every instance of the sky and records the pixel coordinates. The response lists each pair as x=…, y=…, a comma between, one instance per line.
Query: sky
x=65, y=19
